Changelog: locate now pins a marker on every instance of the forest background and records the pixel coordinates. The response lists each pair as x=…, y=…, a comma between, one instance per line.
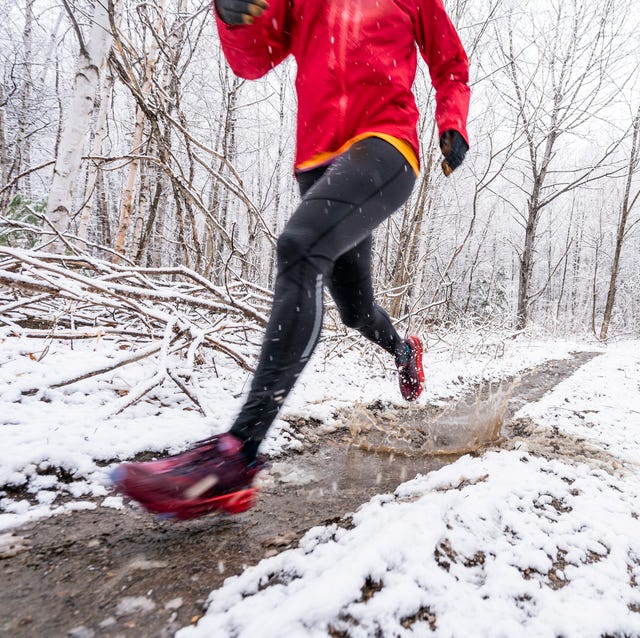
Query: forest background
x=130, y=153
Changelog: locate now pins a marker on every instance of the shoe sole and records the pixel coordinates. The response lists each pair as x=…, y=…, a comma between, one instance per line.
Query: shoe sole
x=231, y=503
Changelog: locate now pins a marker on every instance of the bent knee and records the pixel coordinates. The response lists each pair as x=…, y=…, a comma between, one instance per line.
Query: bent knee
x=292, y=245
x=356, y=319
x=295, y=248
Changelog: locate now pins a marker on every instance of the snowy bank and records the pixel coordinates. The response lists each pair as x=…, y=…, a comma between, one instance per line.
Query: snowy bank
x=513, y=543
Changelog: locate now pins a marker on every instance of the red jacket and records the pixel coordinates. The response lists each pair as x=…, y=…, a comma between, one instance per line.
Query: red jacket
x=356, y=65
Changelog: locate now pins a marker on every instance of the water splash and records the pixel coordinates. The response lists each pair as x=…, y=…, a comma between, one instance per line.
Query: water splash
x=422, y=430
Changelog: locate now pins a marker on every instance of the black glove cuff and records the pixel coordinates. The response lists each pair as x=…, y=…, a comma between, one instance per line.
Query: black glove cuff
x=454, y=148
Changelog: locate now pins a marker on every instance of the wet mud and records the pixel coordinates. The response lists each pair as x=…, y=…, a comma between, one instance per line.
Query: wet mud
x=123, y=573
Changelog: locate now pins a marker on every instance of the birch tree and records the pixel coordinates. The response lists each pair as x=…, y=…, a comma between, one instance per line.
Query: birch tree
x=93, y=50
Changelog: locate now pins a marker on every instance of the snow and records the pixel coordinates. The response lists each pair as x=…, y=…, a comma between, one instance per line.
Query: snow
x=134, y=605
x=462, y=552
x=537, y=537
x=507, y=544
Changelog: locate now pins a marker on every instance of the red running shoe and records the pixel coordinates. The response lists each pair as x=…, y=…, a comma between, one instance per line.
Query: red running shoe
x=212, y=476
x=410, y=372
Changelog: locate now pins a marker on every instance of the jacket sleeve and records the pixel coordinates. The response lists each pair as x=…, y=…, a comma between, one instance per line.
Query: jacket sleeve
x=443, y=52
x=253, y=50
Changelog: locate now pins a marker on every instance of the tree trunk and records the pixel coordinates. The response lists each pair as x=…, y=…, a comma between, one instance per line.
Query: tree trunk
x=414, y=219
x=22, y=147
x=126, y=209
x=627, y=205
x=97, y=142
x=565, y=268
x=4, y=166
x=103, y=228
x=527, y=259
x=91, y=59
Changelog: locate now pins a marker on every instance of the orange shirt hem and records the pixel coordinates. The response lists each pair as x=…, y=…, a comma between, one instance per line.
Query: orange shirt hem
x=404, y=148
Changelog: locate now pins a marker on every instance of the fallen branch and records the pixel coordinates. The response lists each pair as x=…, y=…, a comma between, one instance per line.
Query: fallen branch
x=158, y=312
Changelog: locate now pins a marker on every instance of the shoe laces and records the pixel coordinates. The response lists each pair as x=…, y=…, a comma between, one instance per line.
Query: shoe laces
x=203, y=451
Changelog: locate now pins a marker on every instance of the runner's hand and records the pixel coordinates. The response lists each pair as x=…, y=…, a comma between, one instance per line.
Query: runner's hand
x=454, y=148
x=234, y=12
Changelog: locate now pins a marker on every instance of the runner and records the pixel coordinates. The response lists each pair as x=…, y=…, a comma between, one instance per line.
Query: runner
x=357, y=158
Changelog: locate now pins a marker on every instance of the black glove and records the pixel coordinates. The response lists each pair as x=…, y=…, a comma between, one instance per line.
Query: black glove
x=454, y=148
x=233, y=12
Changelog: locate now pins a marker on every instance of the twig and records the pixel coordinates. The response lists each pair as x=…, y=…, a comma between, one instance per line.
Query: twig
x=178, y=381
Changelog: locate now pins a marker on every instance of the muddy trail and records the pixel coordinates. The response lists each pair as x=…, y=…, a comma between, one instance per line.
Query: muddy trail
x=113, y=573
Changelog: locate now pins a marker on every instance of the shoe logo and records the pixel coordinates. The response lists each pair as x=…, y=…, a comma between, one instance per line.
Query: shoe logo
x=201, y=486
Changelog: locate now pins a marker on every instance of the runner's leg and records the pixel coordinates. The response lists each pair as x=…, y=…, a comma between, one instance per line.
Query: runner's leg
x=354, y=195
x=352, y=290
x=351, y=287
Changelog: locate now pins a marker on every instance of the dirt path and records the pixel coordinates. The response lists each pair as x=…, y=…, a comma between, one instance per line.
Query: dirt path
x=113, y=573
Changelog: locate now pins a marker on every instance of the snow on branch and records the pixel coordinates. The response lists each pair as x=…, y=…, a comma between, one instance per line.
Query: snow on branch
x=157, y=311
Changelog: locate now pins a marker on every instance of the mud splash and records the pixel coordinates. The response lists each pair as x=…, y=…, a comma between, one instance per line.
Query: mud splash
x=460, y=428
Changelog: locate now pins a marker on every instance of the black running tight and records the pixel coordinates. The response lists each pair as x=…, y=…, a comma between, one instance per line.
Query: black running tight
x=327, y=242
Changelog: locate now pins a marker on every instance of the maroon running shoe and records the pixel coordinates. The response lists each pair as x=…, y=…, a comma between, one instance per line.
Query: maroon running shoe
x=212, y=476
x=410, y=372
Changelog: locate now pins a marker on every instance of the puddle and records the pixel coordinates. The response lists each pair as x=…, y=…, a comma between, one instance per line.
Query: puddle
x=387, y=446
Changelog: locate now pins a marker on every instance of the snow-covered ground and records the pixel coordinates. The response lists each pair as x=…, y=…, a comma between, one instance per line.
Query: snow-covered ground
x=540, y=538
x=509, y=544
x=59, y=443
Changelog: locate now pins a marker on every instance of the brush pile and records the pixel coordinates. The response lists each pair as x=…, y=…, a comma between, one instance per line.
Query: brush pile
x=150, y=312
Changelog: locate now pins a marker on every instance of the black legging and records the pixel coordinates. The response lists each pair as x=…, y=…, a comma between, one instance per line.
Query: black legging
x=327, y=241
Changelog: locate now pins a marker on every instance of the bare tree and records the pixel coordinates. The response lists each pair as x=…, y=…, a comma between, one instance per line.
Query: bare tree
x=149, y=61
x=22, y=153
x=629, y=200
x=185, y=164
x=91, y=59
x=558, y=77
